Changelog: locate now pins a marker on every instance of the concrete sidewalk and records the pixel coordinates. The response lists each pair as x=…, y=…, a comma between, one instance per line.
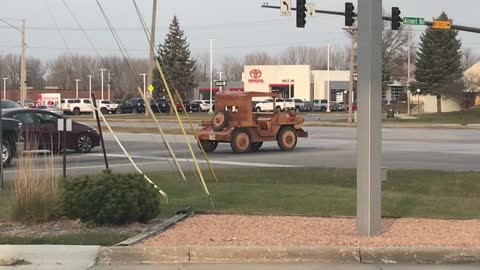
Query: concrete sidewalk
x=48, y=257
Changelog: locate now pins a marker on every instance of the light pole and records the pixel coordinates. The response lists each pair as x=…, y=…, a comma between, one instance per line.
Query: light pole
x=418, y=101
x=211, y=77
x=76, y=88
x=109, y=84
x=328, y=76
x=144, y=75
x=4, y=88
x=89, y=86
x=101, y=71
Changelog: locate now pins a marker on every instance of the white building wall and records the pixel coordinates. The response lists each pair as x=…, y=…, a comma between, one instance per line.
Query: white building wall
x=428, y=104
x=321, y=77
x=278, y=74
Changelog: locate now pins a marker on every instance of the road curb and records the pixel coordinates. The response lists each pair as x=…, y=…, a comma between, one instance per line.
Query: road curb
x=220, y=254
x=399, y=125
x=257, y=254
x=163, y=226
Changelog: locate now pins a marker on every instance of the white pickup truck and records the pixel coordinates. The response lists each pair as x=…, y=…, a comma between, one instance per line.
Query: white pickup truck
x=280, y=105
x=76, y=106
x=106, y=106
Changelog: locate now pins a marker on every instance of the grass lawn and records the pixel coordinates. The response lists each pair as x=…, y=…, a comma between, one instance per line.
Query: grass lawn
x=471, y=116
x=328, y=192
x=300, y=191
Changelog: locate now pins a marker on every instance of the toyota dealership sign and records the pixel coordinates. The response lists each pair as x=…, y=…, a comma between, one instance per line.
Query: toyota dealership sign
x=255, y=76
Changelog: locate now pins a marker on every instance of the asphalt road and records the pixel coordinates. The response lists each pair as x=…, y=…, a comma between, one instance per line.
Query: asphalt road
x=403, y=148
x=299, y=266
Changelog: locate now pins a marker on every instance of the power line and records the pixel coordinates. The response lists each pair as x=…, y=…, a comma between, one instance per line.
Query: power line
x=56, y=26
x=81, y=28
x=11, y=25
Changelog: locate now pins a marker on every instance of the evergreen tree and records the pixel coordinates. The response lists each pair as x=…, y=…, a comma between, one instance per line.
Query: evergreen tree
x=438, y=66
x=178, y=67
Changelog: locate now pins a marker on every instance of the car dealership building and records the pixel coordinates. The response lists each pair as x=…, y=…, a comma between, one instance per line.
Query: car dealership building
x=297, y=81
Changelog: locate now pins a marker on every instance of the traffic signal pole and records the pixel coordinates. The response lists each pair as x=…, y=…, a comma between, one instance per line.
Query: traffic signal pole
x=462, y=28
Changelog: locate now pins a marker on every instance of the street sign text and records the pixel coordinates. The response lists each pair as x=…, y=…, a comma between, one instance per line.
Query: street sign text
x=413, y=21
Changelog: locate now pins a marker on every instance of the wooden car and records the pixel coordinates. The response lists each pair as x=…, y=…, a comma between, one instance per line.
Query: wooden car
x=235, y=123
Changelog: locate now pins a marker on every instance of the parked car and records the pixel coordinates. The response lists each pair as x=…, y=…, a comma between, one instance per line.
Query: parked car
x=254, y=105
x=186, y=104
x=106, y=106
x=76, y=106
x=28, y=103
x=11, y=128
x=8, y=104
x=337, y=106
x=301, y=105
x=280, y=105
x=162, y=105
x=41, y=127
x=133, y=105
x=320, y=105
x=203, y=105
x=53, y=109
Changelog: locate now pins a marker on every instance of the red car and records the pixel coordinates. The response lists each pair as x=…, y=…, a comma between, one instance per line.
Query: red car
x=42, y=126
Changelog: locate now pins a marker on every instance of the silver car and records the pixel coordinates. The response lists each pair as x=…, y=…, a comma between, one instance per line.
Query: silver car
x=53, y=109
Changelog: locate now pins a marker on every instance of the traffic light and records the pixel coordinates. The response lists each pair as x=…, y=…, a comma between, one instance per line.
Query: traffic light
x=301, y=13
x=349, y=14
x=396, y=19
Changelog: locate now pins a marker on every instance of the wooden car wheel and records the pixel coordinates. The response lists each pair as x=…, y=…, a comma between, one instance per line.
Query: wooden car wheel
x=219, y=121
x=209, y=146
x=241, y=141
x=287, y=139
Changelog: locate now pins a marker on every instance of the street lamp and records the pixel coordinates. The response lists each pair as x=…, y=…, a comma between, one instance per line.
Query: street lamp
x=101, y=71
x=418, y=100
x=211, y=77
x=89, y=86
x=76, y=88
x=328, y=75
x=4, y=88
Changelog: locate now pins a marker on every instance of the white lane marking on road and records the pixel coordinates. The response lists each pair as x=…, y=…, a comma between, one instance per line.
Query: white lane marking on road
x=94, y=166
x=234, y=163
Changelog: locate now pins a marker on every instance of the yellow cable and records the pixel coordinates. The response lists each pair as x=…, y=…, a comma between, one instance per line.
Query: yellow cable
x=196, y=137
x=167, y=144
x=172, y=101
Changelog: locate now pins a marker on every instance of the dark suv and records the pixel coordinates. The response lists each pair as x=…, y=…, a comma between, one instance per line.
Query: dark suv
x=162, y=105
x=133, y=105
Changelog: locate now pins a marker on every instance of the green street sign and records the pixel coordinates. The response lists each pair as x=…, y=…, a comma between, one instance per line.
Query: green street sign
x=413, y=21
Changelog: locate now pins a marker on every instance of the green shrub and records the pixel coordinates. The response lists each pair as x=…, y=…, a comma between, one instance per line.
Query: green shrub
x=111, y=199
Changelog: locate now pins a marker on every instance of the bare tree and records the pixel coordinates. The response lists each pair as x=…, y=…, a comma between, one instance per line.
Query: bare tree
x=202, y=67
x=232, y=68
x=469, y=58
x=258, y=58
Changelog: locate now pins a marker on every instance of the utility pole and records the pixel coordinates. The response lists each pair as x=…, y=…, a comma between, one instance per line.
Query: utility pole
x=23, y=71
x=144, y=75
x=90, y=86
x=4, y=88
x=76, y=88
x=151, y=61
x=109, y=84
x=409, y=71
x=101, y=71
x=351, y=31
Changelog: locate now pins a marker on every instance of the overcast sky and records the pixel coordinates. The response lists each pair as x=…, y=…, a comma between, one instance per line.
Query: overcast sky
x=238, y=27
